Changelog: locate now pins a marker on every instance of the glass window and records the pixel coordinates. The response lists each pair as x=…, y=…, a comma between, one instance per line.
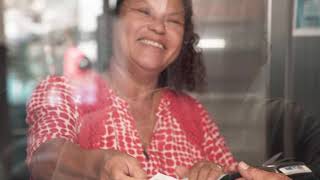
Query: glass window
x=39, y=34
x=167, y=82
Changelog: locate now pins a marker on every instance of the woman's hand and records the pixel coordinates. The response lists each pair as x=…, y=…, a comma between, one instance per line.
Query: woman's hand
x=250, y=173
x=121, y=166
x=203, y=170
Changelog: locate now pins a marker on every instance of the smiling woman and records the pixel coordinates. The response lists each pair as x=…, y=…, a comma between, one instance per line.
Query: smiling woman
x=133, y=121
x=133, y=125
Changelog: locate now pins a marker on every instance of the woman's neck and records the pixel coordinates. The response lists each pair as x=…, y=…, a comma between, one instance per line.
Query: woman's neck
x=131, y=85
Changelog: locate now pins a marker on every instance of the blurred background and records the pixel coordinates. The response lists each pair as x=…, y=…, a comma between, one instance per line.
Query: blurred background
x=253, y=50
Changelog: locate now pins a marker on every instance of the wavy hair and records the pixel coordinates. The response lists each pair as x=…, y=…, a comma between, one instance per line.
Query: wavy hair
x=187, y=72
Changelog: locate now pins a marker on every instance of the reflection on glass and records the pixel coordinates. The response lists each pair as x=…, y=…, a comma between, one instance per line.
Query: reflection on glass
x=143, y=107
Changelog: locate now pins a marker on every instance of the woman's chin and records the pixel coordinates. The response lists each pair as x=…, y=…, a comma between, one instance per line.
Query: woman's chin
x=151, y=64
x=150, y=68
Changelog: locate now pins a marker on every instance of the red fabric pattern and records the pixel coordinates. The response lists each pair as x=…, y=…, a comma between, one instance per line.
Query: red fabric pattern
x=57, y=110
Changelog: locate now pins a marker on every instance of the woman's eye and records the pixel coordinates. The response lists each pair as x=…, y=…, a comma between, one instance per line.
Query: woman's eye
x=175, y=21
x=144, y=11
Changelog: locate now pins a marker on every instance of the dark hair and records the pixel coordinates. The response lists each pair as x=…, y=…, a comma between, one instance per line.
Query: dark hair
x=187, y=72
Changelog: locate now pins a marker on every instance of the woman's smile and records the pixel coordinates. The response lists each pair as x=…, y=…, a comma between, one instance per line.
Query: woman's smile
x=152, y=43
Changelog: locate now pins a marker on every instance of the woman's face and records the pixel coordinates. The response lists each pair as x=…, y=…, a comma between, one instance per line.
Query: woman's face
x=148, y=34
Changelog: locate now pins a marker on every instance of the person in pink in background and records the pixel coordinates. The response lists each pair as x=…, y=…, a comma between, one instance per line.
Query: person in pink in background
x=140, y=122
x=78, y=69
x=75, y=63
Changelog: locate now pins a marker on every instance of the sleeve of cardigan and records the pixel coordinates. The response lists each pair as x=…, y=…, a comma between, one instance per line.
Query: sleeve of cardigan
x=51, y=113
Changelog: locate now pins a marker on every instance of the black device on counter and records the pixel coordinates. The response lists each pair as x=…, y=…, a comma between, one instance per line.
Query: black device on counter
x=294, y=169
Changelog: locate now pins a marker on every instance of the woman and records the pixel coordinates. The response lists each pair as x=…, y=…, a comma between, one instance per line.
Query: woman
x=131, y=124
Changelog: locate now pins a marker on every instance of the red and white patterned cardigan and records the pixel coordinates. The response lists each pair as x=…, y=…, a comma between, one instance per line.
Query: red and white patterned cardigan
x=92, y=115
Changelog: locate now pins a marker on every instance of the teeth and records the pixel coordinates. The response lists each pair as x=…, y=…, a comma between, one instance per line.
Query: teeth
x=152, y=43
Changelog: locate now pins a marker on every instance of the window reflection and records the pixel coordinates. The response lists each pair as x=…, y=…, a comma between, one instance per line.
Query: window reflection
x=38, y=35
x=46, y=37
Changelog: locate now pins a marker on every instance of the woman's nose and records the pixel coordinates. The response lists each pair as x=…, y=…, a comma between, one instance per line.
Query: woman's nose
x=158, y=26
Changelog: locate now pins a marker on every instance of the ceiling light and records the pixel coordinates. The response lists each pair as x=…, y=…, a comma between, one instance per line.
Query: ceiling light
x=207, y=43
x=112, y=4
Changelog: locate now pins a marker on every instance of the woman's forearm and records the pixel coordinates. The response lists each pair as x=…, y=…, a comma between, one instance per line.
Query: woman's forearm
x=60, y=159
